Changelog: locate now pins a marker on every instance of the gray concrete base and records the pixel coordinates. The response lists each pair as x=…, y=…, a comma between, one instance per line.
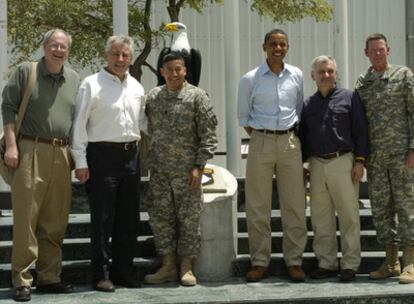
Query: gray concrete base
x=218, y=227
x=271, y=290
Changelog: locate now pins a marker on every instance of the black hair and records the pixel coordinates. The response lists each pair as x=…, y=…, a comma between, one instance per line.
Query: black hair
x=174, y=55
x=275, y=31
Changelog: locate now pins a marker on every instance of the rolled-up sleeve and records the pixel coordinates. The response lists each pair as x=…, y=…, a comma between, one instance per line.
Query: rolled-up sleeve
x=79, y=131
x=244, y=101
x=12, y=94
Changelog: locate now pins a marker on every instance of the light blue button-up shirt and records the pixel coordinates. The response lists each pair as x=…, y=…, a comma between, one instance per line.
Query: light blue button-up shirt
x=270, y=101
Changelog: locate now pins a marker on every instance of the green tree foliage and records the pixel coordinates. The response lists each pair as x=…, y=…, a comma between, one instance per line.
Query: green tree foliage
x=90, y=23
x=282, y=11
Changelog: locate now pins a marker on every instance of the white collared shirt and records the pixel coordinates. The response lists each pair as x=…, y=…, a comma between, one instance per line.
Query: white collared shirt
x=107, y=109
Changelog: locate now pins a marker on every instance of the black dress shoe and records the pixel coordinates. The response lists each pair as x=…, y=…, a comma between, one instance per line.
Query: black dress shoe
x=347, y=275
x=104, y=285
x=22, y=294
x=125, y=281
x=55, y=288
x=323, y=273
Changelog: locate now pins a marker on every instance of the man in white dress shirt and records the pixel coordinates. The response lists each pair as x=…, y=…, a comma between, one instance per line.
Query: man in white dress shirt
x=108, y=120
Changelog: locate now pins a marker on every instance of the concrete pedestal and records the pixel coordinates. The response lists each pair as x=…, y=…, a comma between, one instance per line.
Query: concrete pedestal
x=218, y=228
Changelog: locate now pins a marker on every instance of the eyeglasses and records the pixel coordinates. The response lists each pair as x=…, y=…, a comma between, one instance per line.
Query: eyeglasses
x=117, y=54
x=56, y=46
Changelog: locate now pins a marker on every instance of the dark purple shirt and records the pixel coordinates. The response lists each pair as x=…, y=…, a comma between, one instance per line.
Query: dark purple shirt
x=333, y=123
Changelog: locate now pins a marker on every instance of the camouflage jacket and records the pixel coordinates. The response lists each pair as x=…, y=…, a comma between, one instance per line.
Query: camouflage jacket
x=388, y=99
x=181, y=127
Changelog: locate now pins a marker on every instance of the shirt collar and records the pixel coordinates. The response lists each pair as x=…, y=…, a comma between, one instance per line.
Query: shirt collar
x=114, y=77
x=331, y=92
x=371, y=75
x=44, y=71
x=178, y=95
x=264, y=68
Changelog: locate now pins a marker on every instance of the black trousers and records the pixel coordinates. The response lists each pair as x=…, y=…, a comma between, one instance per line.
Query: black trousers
x=113, y=190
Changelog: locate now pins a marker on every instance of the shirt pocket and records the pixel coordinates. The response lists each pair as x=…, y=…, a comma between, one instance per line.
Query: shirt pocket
x=264, y=97
x=288, y=94
x=339, y=116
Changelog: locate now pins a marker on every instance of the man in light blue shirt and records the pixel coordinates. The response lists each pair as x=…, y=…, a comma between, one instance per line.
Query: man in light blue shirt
x=270, y=99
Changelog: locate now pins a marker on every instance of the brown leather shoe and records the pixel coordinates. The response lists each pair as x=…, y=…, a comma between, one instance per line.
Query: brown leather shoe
x=22, y=294
x=323, y=273
x=105, y=286
x=296, y=273
x=256, y=274
x=347, y=275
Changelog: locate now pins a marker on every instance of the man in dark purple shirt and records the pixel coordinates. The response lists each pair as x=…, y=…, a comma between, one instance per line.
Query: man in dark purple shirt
x=334, y=138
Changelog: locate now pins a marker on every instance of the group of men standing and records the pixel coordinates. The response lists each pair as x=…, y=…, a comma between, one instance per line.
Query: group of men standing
x=338, y=132
x=99, y=124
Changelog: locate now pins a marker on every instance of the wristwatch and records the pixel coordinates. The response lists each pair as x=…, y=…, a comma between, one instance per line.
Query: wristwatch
x=360, y=159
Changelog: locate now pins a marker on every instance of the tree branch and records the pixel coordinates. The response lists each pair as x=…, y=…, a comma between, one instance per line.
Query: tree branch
x=136, y=69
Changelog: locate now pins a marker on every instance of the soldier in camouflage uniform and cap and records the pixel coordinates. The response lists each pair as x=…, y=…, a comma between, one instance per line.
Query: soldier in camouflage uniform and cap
x=387, y=93
x=181, y=126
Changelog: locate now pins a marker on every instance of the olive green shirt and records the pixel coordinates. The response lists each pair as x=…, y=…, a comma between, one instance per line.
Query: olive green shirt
x=51, y=106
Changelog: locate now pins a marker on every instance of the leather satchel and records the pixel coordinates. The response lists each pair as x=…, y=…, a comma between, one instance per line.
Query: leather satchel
x=5, y=171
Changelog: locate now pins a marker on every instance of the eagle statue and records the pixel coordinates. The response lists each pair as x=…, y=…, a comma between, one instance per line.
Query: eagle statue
x=192, y=57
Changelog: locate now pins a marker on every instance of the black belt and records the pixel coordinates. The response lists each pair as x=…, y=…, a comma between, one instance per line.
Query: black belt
x=52, y=141
x=278, y=132
x=122, y=145
x=333, y=154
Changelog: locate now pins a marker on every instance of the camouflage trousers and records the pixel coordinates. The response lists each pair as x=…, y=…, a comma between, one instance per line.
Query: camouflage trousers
x=174, y=210
x=391, y=192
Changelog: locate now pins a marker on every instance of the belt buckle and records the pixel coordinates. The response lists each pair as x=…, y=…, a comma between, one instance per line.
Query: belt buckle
x=57, y=142
x=129, y=146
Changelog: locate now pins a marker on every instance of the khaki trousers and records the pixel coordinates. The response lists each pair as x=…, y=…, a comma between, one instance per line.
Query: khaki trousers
x=270, y=154
x=331, y=190
x=41, y=195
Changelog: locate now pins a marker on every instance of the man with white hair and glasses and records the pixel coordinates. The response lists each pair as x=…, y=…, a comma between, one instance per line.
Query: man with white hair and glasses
x=39, y=154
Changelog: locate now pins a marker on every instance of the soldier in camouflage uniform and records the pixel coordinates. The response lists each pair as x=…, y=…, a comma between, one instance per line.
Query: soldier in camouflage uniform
x=181, y=126
x=387, y=93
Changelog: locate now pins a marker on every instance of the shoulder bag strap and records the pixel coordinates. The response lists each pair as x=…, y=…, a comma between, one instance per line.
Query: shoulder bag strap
x=25, y=99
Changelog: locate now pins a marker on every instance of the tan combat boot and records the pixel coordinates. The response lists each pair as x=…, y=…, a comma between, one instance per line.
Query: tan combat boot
x=390, y=267
x=407, y=275
x=187, y=276
x=167, y=272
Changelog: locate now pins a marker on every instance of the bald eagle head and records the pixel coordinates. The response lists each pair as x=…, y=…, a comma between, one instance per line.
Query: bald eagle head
x=179, y=36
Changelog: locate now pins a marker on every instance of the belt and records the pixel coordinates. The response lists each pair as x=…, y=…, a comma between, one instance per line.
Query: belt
x=122, y=145
x=333, y=154
x=53, y=141
x=278, y=132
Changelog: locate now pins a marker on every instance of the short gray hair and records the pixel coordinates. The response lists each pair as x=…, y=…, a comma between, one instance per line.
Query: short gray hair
x=121, y=39
x=322, y=59
x=46, y=37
